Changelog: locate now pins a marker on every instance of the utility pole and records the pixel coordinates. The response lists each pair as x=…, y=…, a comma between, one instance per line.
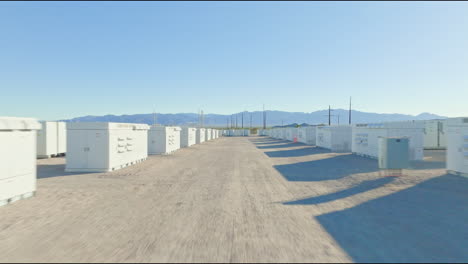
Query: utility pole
x=236, y=120
x=329, y=115
x=338, y=119
x=250, y=120
x=350, y=110
x=227, y=122
x=154, y=116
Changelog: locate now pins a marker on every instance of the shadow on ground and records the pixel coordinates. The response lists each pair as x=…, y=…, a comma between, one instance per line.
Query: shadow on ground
x=327, y=169
x=267, y=142
x=426, y=165
x=285, y=144
x=264, y=139
x=296, y=152
x=271, y=143
x=434, y=159
x=424, y=223
x=360, y=188
x=56, y=170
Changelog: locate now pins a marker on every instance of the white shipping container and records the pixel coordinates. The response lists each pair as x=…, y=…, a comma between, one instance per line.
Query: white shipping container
x=47, y=140
x=434, y=134
x=200, y=138
x=336, y=138
x=18, y=158
x=366, y=137
x=457, y=146
x=188, y=137
x=284, y=133
x=291, y=133
x=306, y=135
x=101, y=146
x=51, y=139
x=61, y=137
x=208, y=134
x=163, y=139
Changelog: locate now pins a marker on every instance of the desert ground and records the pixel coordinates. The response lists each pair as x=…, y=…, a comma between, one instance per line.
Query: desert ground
x=241, y=199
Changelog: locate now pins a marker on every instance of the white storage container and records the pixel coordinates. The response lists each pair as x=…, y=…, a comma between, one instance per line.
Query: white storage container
x=284, y=133
x=61, y=138
x=336, y=138
x=200, y=138
x=208, y=134
x=366, y=137
x=188, y=137
x=457, y=146
x=306, y=135
x=277, y=133
x=163, y=140
x=18, y=158
x=434, y=134
x=47, y=140
x=101, y=147
x=291, y=133
x=51, y=139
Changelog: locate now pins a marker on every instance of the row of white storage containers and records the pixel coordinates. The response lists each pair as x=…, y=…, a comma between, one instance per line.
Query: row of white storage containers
x=306, y=135
x=361, y=139
x=236, y=132
x=366, y=137
x=122, y=144
x=434, y=133
x=93, y=147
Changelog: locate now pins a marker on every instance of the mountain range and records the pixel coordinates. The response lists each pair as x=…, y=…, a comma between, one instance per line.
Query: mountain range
x=273, y=118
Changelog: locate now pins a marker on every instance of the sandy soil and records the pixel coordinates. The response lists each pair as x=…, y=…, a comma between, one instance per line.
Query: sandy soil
x=250, y=199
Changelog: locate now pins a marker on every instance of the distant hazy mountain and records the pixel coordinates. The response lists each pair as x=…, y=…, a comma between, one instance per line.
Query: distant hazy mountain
x=274, y=118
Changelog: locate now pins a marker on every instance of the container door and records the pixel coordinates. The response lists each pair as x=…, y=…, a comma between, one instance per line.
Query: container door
x=97, y=154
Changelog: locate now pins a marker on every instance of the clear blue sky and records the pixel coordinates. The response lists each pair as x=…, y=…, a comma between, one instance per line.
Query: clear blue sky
x=68, y=59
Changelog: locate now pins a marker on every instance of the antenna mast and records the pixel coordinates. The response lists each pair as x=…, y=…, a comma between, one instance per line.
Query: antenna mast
x=350, y=110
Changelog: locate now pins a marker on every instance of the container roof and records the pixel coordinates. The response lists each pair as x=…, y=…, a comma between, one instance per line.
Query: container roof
x=19, y=123
x=105, y=126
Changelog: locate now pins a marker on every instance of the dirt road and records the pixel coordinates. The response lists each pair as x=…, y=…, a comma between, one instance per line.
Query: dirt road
x=240, y=200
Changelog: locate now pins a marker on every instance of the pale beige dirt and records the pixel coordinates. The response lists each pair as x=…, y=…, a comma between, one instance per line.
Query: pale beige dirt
x=227, y=200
